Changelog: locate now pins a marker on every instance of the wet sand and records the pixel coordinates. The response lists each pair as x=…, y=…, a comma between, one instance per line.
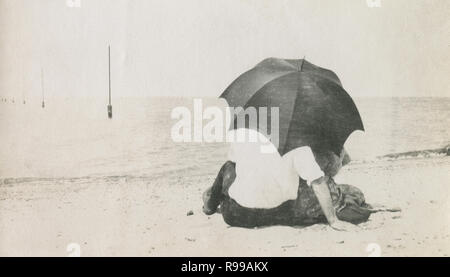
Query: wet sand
x=145, y=216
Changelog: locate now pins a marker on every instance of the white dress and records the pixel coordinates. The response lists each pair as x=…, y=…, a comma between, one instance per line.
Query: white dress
x=264, y=179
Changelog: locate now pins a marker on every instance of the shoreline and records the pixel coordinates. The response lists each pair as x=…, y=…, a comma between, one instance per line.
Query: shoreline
x=442, y=151
x=418, y=154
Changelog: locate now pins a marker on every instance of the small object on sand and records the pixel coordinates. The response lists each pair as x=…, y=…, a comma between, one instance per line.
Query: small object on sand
x=289, y=246
x=190, y=213
x=381, y=208
x=340, y=242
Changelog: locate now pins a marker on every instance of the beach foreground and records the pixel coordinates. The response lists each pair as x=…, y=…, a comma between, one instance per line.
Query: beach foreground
x=142, y=216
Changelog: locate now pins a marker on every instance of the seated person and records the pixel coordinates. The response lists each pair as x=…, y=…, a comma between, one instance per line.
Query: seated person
x=258, y=187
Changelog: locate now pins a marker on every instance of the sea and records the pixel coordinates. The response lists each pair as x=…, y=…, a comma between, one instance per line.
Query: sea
x=75, y=138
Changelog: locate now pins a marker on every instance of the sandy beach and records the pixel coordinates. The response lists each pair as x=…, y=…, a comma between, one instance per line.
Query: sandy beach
x=141, y=216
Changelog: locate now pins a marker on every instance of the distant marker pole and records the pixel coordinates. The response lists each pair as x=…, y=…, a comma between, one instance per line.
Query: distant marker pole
x=109, y=79
x=23, y=90
x=42, y=86
x=303, y=61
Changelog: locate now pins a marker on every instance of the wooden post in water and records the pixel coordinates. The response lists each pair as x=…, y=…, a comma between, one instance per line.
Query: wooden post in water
x=42, y=86
x=109, y=80
x=303, y=61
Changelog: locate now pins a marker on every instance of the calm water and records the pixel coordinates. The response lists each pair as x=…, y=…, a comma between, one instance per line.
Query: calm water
x=74, y=138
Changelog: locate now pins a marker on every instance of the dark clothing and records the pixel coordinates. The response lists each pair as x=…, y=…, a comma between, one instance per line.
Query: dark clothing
x=348, y=201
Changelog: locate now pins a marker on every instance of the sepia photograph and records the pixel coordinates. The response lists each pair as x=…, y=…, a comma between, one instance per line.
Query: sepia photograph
x=218, y=128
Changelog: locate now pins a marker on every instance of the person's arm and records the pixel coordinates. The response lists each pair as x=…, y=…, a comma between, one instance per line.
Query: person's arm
x=307, y=168
x=322, y=192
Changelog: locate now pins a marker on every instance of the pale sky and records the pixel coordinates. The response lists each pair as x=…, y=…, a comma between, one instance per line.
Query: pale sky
x=197, y=47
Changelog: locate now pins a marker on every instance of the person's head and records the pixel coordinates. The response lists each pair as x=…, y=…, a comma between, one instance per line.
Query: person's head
x=329, y=162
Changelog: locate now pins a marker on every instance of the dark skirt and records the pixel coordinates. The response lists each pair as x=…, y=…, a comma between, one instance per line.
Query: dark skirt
x=348, y=201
